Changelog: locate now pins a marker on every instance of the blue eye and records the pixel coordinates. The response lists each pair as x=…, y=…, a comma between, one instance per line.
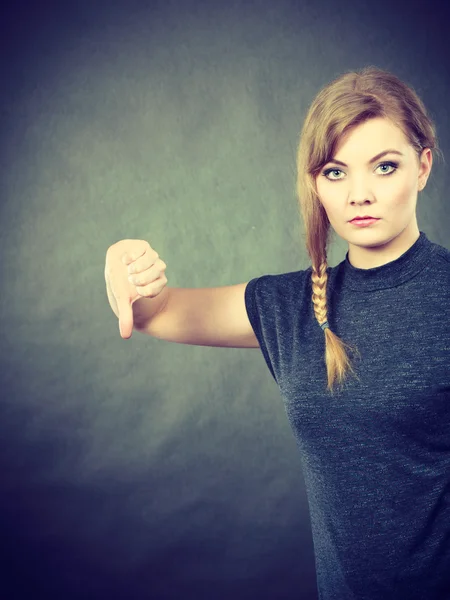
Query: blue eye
x=385, y=164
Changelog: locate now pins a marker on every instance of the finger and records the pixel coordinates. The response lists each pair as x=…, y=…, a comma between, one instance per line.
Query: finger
x=129, y=257
x=152, y=289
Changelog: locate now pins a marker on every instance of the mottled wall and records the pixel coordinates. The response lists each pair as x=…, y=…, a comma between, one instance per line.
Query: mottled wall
x=139, y=468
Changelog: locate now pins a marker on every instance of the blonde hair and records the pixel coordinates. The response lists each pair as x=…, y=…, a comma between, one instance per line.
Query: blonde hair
x=349, y=100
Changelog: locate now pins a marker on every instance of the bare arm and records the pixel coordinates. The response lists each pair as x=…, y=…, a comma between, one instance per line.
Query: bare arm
x=197, y=316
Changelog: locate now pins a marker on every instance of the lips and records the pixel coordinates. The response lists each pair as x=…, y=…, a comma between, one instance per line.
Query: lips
x=362, y=219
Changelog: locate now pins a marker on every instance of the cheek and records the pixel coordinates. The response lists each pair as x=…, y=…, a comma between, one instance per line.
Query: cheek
x=329, y=201
x=403, y=193
x=326, y=197
x=332, y=209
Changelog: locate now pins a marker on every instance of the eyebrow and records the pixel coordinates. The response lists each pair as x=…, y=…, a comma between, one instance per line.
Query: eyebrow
x=372, y=160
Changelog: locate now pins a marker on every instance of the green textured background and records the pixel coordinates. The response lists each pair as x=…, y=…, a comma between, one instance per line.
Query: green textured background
x=139, y=468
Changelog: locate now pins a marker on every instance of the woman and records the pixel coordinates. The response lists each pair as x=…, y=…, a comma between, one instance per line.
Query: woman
x=376, y=447
x=376, y=453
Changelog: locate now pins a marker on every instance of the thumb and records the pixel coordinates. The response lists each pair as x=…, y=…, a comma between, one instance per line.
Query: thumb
x=125, y=319
x=125, y=310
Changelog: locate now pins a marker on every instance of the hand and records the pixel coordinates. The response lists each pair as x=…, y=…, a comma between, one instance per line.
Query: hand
x=133, y=270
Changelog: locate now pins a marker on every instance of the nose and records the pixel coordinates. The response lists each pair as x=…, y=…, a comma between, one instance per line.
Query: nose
x=360, y=202
x=360, y=190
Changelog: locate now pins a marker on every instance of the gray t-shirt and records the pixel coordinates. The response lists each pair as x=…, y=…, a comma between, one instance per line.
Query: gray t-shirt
x=375, y=455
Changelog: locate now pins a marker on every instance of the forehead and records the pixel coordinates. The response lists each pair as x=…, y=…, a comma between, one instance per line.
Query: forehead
x=371, y=137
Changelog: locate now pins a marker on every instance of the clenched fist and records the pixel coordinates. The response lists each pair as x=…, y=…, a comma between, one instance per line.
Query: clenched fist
x=133, y=270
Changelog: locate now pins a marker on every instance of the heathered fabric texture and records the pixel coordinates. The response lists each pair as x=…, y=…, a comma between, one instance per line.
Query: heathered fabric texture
x=376, y=455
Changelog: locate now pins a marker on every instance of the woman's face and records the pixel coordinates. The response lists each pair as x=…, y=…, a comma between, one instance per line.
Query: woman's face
x=385, y=188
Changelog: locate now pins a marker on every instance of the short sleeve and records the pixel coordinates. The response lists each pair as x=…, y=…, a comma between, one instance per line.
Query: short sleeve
x=254, y=303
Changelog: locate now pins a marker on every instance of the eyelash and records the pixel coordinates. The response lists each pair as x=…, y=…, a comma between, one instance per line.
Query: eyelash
x=390, y=164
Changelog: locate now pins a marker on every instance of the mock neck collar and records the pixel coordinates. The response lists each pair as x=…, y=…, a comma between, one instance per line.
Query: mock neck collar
x=391, y=274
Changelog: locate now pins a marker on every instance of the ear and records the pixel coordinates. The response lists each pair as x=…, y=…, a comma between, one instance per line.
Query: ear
x=426, y=162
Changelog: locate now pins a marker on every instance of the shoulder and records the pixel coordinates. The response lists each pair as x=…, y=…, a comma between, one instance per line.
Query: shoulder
x=281, y=284
x=438, y=269
x=440, y=252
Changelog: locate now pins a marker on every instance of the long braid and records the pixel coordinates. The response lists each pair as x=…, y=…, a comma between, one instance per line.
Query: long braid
x=336, y=358
x=319, y=292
